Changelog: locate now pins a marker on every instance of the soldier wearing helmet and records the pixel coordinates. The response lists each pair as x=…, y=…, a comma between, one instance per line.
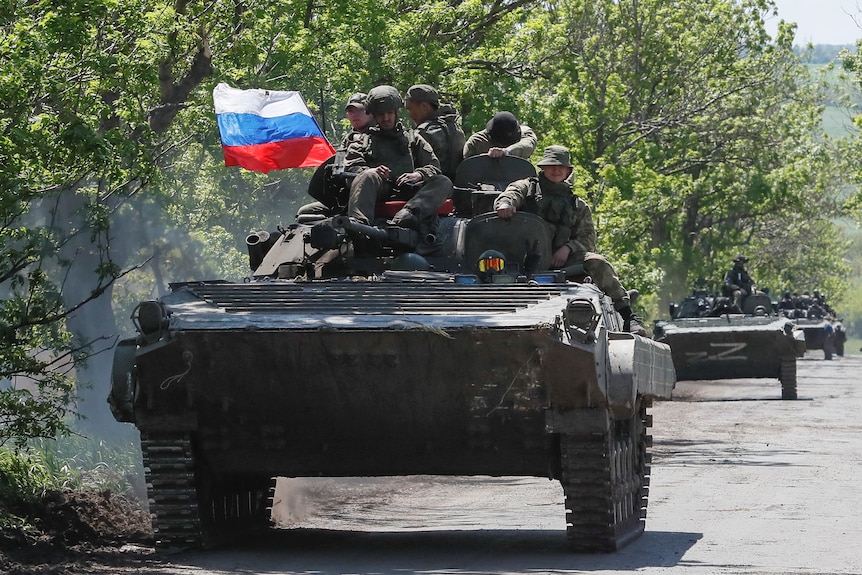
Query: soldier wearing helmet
x=738, y=284
x=394, y=163
x=502, y=136
x=439, y=124
x=571, y=225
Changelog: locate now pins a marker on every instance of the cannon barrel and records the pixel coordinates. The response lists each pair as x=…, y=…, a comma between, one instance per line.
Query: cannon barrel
x=351, y=225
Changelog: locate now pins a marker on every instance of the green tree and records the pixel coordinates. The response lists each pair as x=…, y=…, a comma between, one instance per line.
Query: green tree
x=694, y=134
x=692, y=129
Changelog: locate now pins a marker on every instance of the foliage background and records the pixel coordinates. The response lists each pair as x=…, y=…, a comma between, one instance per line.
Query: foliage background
x=697, y=136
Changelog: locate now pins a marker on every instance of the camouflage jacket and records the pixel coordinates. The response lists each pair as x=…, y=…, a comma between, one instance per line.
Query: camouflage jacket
x=443, y=131
x=481, y=142
x=353, y=134
x=402, y=151
x=569, y=217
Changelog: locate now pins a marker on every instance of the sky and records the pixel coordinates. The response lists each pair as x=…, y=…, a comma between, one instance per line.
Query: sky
x=820, y=21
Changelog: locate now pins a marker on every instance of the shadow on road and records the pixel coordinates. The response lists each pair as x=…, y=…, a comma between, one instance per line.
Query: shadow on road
x=326, y=552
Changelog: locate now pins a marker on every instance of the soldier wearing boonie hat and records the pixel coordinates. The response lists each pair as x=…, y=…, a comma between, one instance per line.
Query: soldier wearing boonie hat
x=570, y=220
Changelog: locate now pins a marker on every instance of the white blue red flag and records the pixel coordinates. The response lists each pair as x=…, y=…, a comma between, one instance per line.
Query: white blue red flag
x=263, y=130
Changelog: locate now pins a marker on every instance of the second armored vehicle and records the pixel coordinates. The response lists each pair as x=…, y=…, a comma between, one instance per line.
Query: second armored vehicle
x=711, y=343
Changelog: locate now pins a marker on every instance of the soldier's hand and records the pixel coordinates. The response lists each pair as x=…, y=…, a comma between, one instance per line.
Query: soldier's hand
x=409, y=178
x=560, y=256
x=497, y=152
x=383, y=171
x=506, y=211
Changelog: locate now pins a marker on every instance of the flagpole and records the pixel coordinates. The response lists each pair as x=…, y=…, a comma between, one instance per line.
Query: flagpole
x=322, y=109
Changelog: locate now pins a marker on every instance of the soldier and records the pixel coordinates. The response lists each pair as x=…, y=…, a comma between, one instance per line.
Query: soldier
x=738, y=285
x=360, y=120
x=787, y=306
x=438, y=124
x=502, y=136
x=571, y=224
x=392, y=162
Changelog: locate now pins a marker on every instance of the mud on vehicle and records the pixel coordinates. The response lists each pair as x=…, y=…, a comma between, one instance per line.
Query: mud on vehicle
x=347, y=353
x=711, y=341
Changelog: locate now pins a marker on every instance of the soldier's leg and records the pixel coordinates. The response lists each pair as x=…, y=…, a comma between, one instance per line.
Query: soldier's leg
x=424, y=204
x=603, y=273
x=315, y=209
x=365, y=192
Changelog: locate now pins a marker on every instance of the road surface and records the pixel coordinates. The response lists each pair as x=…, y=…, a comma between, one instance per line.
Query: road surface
x=742, y=482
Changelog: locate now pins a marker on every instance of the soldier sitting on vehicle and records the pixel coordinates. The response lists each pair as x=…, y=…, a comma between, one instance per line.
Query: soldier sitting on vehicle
x=438, y=124
x=738, y=285
x=392, y=162
x=571, y=225
x=502, y=136
x=360, y=121
x=787, y=306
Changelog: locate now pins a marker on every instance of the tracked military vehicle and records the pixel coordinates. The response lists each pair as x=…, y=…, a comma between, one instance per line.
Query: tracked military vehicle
x=709, y=340
x=347, y=353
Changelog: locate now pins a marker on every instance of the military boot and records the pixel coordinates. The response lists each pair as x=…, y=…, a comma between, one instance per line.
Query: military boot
x=631, y=322
x=405, y=219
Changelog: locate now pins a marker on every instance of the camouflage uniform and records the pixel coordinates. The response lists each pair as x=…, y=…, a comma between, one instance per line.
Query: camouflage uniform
x=357, y=100
x=441, y=129
x=503, y=131
x=570, y=222
x=738, y=284
x=402, y=151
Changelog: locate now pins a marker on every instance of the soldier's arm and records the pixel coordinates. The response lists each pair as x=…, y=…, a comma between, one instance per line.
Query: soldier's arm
x=426, y=162
x=583, y=235
x=476, y=144
x=513, y=195
x=525, y=147
x=355, y=159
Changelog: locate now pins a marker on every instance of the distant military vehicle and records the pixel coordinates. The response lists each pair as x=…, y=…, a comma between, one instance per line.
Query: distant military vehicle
x=469, y=358
x=813, y=330
x=711, y=341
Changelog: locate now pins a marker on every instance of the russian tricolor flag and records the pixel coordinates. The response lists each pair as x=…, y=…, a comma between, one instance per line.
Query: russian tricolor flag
x=263, y=130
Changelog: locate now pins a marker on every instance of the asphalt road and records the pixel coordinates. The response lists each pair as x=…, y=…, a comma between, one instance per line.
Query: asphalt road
x=742, y=482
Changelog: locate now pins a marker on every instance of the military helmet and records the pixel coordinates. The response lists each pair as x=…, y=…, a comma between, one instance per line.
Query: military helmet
x=383, y=99
x=740, y=259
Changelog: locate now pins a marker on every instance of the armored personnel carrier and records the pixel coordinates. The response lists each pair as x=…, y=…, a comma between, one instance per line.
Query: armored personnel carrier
x=711, y=341
x=347, y=353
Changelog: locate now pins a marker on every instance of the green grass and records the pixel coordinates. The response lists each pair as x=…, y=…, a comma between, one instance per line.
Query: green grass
x=70, y=463
x=852, y=345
